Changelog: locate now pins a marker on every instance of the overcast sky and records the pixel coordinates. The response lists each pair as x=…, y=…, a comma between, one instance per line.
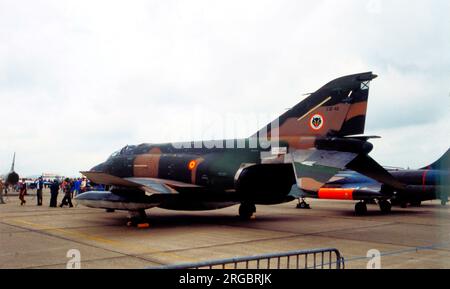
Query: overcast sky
x=81, y=79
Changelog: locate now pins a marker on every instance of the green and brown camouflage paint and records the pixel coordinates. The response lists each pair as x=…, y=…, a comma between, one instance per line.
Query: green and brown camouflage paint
x=260, y=168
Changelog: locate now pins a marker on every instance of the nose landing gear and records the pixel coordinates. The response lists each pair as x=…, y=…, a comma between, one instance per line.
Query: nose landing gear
x=302, y=204
x=138, y=219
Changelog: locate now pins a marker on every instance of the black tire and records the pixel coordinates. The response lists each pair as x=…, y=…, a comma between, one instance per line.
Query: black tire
x=303, y=205
x=443, y=203
x=385, y=206
x=110, y=210
x=361, y=209
x=246, y=211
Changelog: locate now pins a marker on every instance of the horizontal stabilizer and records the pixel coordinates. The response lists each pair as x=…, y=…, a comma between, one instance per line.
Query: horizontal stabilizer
x=363, y=137
x=367, y=166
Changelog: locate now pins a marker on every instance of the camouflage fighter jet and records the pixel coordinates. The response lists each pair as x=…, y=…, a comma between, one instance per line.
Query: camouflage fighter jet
x=429, y=183
x=307, y=145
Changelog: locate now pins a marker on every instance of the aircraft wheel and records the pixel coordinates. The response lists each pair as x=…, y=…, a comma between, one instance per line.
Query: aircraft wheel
x=361, y=208
x=110, y=210
x=385, y=206
x=303, y=205
x=246, y=211
x=135, y=218
x=443, y=203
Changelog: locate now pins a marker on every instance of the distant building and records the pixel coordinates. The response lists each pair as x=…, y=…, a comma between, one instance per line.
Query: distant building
x=50, y=177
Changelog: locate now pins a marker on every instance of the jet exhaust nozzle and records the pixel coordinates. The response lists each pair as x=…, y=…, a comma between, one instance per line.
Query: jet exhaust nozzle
x=345, y=145
x=12, y=178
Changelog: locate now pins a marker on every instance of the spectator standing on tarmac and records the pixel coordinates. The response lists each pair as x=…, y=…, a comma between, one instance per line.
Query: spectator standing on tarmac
x=67, y=189
x=40, y=187
x=54, y=190
x=76, y=187
x=22, y=193
x=63, y=184
x=83, y=185
x=1, y=192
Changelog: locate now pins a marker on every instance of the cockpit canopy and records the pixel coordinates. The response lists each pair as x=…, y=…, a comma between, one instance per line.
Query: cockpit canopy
x=127, y=150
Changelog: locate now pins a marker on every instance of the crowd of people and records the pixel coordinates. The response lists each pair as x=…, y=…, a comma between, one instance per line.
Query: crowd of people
x=70, y=187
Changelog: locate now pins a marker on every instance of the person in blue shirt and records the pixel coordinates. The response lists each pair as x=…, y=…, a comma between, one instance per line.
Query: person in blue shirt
x=76, y=187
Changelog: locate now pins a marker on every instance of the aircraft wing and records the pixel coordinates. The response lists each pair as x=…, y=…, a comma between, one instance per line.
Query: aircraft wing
x=149, y=185
x=109, y=180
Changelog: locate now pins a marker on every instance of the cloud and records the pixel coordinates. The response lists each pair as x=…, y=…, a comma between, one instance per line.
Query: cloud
x=80, y=79
x=414, y=146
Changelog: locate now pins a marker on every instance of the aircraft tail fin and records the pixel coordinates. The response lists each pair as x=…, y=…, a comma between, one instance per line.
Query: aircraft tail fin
x=12, y=178
x=443, y=163
x=13, y=162
x=337, y=109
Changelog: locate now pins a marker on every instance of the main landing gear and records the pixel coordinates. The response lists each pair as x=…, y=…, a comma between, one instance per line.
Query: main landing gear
x=247, y=211
x=385, y=206
x=361, y=207
x=138, y=219
x=302, y=204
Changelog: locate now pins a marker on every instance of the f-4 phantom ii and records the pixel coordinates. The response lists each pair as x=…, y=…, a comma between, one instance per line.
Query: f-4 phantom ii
x=429, y=183
x=307, y=146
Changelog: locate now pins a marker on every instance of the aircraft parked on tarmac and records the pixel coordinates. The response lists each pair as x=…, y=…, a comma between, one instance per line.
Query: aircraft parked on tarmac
x=307, y=146
x=429, y=183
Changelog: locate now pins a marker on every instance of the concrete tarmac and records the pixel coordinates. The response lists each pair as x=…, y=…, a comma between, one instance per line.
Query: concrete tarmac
x=40, y=237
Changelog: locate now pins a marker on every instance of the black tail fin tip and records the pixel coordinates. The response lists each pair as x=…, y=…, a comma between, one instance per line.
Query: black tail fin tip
x=443, y=163
x=338, y=109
